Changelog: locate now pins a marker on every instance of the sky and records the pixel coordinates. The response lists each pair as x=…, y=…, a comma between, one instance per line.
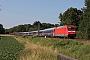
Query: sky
x=18, y=12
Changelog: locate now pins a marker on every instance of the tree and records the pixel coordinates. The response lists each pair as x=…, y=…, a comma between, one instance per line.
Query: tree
x=21, y=28
x=37, y=25
x=2, y=30
x=84, y=26
x=87, y=4
x=48, y=25
x=56, y=25
x=70, y=16
x=27, y=26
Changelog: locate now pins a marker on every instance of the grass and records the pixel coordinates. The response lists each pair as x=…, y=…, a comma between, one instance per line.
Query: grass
x=67, y=47
x=35, y=51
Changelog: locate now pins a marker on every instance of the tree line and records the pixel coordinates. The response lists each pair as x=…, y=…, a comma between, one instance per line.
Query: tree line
x=80, y=18
x=28, y=27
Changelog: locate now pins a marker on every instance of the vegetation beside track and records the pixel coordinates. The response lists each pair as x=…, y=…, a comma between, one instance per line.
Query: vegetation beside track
x=36, y=52
x=67, y=47
x=10, y=49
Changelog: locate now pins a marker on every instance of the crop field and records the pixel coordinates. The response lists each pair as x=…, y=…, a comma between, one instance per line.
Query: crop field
x=10, y=49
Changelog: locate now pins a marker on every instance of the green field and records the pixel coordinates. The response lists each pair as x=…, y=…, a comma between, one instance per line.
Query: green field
x=10, y=49
x=67, y=47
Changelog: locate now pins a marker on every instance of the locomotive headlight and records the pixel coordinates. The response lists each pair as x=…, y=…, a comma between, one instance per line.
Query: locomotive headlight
x=73, y=31
x=69, y=31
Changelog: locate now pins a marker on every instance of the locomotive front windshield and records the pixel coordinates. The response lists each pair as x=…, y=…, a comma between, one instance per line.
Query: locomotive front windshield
x=71, y=28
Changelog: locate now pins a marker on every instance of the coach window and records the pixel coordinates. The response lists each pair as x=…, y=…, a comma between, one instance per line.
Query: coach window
x=71, y=28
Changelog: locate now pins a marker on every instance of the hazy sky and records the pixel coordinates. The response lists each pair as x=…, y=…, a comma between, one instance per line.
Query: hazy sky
x=16, y=12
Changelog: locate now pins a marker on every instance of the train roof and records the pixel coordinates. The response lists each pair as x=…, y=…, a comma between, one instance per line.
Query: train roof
x=42, y=30
x=34, y=31
x=49, y=29
x=23, y=32
x=59, y=27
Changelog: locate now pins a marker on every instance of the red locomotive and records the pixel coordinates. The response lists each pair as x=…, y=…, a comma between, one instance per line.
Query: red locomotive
x=65, y=31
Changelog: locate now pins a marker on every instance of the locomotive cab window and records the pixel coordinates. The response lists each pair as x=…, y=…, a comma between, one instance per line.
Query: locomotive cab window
x=71, y=28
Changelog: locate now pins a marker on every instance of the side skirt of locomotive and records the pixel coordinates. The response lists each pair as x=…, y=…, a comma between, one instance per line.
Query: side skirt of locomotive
x=65, y=36
x=60, y=35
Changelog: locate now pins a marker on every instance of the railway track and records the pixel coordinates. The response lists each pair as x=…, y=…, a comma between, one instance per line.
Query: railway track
x=77, y=40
